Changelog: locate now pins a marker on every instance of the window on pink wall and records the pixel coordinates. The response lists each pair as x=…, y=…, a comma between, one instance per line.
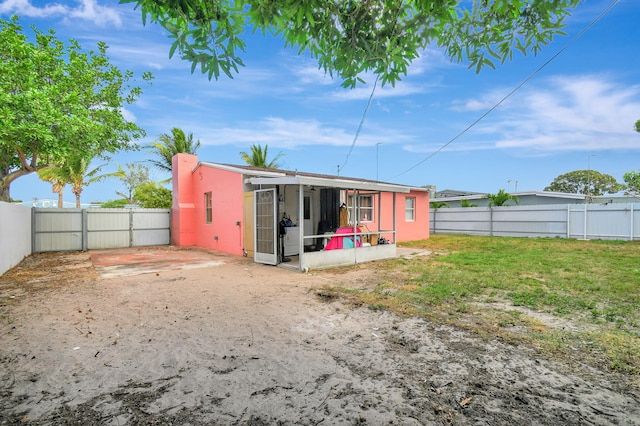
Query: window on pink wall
x=208, y=212
x=364, y=208
x=410, y=209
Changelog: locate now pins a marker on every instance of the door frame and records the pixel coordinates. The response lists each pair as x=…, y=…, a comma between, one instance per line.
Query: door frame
x=265, y=221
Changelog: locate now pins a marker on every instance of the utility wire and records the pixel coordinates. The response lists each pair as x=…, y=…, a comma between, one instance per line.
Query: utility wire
x=525, y=81
x=364, y=116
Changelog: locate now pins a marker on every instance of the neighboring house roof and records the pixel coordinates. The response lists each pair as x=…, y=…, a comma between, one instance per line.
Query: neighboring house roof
x=447, y=193
x=548, y=194
x=259, y=175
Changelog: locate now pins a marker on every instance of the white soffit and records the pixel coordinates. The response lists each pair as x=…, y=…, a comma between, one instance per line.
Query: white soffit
x=329, y=183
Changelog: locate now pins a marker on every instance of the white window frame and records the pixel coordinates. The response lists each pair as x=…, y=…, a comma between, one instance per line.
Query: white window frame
x=365, y=214
x=208, y=207
x=410, y=209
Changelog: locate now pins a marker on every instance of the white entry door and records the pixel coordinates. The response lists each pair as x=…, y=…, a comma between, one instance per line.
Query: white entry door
x=307, y=214
x=266, y=227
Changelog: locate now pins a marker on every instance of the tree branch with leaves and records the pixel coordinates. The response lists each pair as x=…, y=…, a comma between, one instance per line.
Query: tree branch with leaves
x=587, y=182
x=350, y=38
x=57, y=101
x=501, y=198
x=170, y=144
x=259, y=157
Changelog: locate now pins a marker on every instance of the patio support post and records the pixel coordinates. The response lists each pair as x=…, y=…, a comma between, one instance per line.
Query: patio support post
x=379, y=214
x=356, y=221
x=300, y=221
x=395, y=236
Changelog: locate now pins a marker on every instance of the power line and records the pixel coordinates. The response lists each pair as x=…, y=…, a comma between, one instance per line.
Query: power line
x=525, y=81
x=364, y=116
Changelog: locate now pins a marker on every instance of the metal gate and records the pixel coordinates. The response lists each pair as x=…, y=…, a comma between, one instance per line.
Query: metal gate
x=266, y=243
x=87, y=229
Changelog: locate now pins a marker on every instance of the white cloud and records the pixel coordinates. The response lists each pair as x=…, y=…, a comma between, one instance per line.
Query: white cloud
x=430, y=59
x=290, y=134
x=88, y=10
x=485, y=102
x=25, y=8
x=364, y=92
x=310, y=74
x=585, y=112
x=128, y=115
x=284, y=133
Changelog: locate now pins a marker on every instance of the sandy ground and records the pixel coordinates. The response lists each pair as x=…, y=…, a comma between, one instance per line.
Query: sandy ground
x=235, y=342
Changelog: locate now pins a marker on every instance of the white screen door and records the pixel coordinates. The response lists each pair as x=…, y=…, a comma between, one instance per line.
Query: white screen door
x=266, y=238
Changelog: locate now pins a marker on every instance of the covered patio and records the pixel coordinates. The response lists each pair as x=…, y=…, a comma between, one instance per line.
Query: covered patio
x=363, y=233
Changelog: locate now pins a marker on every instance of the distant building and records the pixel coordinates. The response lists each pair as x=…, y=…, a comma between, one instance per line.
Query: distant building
x=528, y=198
x=53, y=203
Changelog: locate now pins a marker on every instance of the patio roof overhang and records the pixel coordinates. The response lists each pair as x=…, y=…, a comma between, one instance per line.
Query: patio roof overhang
x=328, y=183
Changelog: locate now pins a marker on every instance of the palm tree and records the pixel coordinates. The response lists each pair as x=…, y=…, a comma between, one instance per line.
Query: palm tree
x=501, y=198
x=467, y=203
x=169, y=145
x=75, y=172
x=258, y=157
x=438, y=204
x=57, y=184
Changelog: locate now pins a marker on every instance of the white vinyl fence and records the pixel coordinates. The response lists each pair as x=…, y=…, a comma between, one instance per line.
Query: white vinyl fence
x=87, y=229
x=25, y=230
x=15, y=235
x=582, y=221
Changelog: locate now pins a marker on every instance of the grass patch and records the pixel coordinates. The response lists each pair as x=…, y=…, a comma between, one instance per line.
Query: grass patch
x=500, y=287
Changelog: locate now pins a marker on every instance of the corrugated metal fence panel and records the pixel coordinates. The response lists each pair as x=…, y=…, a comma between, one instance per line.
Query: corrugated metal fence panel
x=612, y=221
x=530, y=221
x=82, y=229
x=151, y=227
x=57, y=229
x=473, y=221
x=108, y=228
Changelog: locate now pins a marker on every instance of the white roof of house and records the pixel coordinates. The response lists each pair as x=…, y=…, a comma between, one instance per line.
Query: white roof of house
x=263, y=176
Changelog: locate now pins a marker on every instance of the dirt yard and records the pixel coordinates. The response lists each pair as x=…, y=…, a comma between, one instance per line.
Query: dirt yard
x=238, y=343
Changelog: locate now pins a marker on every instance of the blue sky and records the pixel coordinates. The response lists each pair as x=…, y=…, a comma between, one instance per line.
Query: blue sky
x=577, y=112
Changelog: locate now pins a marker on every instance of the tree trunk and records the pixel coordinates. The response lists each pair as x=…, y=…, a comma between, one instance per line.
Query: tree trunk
x=6, y=178
x=4, y=192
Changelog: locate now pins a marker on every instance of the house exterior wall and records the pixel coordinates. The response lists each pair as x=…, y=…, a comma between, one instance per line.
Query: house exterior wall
x=190, y=228
x=230, y=225
x=183, y=206
x=418, y=229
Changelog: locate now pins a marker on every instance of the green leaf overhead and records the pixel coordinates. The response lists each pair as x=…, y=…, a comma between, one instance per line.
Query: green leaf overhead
x=350, y=38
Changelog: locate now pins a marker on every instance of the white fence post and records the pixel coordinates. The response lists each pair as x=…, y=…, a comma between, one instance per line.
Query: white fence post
x=632, y=215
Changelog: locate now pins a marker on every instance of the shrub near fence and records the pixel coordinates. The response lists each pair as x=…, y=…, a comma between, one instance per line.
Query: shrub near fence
x=584, y=221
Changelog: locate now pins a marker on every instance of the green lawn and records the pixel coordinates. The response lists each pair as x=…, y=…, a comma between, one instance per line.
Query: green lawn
x=561, y=296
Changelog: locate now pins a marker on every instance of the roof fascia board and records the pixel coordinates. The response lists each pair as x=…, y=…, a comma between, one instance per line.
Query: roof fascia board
x=332, y=183
x=241, y=170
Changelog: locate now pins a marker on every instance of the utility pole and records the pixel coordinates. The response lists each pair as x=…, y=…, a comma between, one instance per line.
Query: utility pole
x=377, y=145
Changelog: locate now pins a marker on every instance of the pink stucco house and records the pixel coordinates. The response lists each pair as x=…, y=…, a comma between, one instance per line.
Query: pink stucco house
x=289, y=218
